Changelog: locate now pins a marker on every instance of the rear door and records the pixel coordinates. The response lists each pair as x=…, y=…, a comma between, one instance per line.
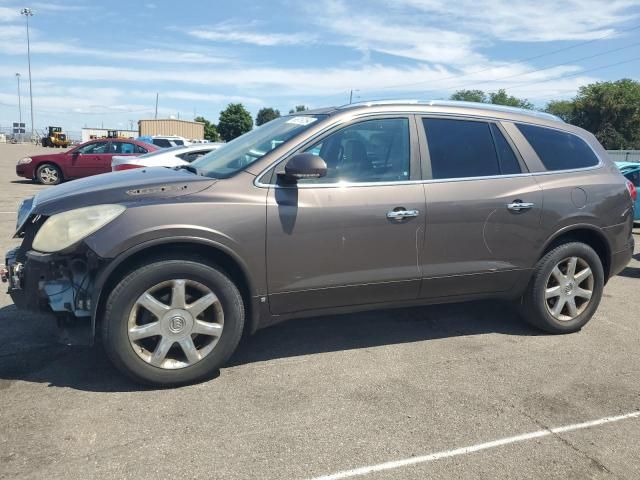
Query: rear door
x=483, y=208
x=341, y=240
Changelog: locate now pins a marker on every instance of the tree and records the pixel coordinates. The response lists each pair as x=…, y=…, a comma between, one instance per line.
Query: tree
x=565, y=109
x=611, y=111
x=497, y=98
x=210, y=130
x=266, y=115
x=469, y=96
x=299, y=108
x=234, y=121
x=502, y=98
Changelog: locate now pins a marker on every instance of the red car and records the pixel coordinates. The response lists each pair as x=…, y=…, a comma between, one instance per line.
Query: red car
x=87, y=159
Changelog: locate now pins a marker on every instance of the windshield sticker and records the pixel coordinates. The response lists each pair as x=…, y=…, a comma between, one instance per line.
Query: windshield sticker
x=302, y=120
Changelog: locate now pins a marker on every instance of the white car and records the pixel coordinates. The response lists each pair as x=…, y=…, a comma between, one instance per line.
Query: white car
x=169, y=141
x=165, y=157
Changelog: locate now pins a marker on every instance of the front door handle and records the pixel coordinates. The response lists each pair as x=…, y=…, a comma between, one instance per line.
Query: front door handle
x=520, y=206
x=402, y=214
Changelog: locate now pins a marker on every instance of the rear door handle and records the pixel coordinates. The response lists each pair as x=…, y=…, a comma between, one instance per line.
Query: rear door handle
x=519, y=206
x=402, y=214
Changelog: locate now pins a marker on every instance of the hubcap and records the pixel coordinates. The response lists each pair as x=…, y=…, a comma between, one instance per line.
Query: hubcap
x=569, y=288
x=49, y=175
x=175, y=324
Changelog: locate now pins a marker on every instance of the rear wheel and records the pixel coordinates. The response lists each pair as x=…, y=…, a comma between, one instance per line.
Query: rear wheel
x=173, y=322
x=565, y=289
x=48, y=174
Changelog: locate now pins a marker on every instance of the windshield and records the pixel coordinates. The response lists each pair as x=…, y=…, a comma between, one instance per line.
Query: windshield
x=241, y=152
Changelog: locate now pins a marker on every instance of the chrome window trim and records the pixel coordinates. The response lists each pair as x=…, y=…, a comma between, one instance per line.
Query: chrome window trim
x=259, y=184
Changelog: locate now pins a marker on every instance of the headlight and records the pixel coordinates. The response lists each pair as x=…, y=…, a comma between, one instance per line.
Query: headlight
x=64, y=229
x=24, y=161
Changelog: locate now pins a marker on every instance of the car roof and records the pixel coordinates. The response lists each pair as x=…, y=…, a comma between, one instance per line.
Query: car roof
x=442, y=106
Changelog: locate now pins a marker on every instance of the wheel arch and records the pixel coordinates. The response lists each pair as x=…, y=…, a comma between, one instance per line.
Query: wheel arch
x=584, y=233
x=215, y=253
x=48, y=162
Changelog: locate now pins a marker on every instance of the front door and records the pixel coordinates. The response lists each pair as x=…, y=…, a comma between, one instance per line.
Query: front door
x=483, y=209
x=90, y=159
x=342, y=239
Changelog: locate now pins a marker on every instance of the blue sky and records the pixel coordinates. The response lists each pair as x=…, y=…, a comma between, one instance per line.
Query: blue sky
x=99, y=63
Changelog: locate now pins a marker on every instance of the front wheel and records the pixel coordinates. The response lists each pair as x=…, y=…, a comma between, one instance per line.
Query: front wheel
x=172, y=322
x=565, y=289
x=48, y=174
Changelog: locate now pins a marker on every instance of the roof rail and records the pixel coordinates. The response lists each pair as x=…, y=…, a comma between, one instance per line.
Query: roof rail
x=456, y=103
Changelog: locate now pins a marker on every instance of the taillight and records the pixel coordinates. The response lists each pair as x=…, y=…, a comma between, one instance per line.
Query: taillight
x=633, y=191
x=126, y=166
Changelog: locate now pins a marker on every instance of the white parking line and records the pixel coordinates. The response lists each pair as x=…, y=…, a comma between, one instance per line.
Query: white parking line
x=473, y=448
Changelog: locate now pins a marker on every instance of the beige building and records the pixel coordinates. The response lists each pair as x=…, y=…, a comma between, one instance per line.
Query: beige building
x=169, y=127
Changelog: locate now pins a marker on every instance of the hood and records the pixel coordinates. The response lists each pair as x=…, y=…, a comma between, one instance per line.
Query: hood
x=128, y=186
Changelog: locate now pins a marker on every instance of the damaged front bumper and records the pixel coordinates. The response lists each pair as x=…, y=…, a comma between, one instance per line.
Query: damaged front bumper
x=61, y=284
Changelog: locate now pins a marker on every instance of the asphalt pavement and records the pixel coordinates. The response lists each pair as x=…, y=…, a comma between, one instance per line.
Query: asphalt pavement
x=463, y=391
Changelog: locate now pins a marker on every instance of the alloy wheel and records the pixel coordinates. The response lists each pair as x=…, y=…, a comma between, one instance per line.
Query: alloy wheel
x=175, y=324
x=49, y=175
x=569, y=288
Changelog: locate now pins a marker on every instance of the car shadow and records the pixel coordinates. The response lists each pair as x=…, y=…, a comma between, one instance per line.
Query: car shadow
x=29, y=352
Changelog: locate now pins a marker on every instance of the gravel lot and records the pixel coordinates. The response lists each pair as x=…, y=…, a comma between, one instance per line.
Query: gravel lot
x=319, y=396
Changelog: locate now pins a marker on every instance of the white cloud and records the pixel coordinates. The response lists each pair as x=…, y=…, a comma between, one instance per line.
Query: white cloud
x=527, y=21
x=245, y=33
x=423, y=80
x=9, y=14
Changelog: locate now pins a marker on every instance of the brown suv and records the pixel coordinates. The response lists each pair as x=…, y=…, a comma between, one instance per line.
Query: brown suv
x=366, y=206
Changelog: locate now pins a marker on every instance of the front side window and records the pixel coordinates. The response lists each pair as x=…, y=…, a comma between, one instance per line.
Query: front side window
x=369, y=151
x=558, y=150
x=94, y=148
x=247, y=149
x=460, y=148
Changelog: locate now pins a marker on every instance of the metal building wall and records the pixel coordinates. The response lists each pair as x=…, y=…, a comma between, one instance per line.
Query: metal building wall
x=181, y=128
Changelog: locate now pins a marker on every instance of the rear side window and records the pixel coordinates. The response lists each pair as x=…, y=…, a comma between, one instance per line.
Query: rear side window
x=559, y=150
x=162, y=142
x=464, y=148
x=508, y=161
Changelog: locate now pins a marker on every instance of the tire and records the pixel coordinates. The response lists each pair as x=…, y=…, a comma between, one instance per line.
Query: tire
x=560, y=285
x=135, y=358
x=48, y=174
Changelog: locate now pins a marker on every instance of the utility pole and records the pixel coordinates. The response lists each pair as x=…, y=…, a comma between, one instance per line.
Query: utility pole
x=156, y=115
x=19, y=108
x=351, y=95
x=27, y=12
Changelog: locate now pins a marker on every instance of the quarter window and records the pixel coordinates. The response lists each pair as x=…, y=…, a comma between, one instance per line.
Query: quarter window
x=369, y=151
x=559, y=150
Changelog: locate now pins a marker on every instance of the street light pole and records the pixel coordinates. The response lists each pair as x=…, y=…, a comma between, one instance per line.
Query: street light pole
x=27, y=12
x=19, y=107
x=351, y=96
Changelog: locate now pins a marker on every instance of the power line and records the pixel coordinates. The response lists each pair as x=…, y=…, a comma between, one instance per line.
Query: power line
x=602, y=67
x=588, y=57
x=522, y=60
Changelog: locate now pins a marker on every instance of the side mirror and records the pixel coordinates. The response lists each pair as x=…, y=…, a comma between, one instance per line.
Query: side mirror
x=304, y=165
